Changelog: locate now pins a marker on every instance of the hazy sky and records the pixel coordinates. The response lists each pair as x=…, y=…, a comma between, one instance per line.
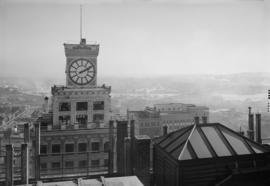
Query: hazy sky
x=136, y=37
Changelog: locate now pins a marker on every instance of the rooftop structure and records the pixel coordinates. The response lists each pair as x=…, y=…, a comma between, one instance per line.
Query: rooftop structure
x=207, y=154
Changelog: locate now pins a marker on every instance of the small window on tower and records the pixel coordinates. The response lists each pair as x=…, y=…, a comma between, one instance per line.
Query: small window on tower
x=98, y=118
x=55, y=165
x=82, y=163
x=81, y=119
x=55, y=148
x=43, y=149
x=65, y=120
x=81, y=106
x=106, y=146
x=106, y=162
x=69, y=164
x=98, y=105
x=43, y=165
x=95, y=163
x=82, y=147
x=95, y=146
x=69, y=147
x=64, y=106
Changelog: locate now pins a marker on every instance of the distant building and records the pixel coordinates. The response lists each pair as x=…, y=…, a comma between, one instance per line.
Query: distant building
x=209, y=154
x=173, y=115
x=74, y=133
x=147, y=122
x=178, y=115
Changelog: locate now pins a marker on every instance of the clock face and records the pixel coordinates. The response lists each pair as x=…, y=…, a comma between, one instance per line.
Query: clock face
x=81, y=71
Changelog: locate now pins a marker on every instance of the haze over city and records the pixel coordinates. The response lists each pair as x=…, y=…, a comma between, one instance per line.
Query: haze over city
x=137, y=38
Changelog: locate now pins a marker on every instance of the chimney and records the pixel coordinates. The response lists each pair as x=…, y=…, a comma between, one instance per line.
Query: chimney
x=241, y=132
x=46, y=104
x=122, y=133
x=26, y=133
x=250, y=131
x=83, y=41
x=197, y=120
x=165, y=130
x=111, y=147
x=9, y=165
x=204, y=119
x=258, y=128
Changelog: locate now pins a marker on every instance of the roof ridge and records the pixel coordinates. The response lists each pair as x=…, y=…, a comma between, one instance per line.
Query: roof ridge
x=243, y=137
x=185, y=146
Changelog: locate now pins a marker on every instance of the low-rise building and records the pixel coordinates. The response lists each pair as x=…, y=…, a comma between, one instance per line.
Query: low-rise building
x=173, y=115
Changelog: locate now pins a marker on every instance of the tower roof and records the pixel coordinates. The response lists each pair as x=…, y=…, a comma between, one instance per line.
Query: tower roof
x=207, y=141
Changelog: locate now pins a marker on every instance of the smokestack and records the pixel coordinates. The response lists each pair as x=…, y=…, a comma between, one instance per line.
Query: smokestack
x=250, y=125
x=111, y=147
x=197, y=120
x=204, y=119
x=258, y=128
x=241, y=131
x=46, y=104
x=165, y=130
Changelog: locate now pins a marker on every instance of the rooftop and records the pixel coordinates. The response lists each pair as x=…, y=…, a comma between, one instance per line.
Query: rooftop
x=207, y=141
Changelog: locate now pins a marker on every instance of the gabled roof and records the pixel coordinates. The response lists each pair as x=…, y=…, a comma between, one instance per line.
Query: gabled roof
x=207, y=141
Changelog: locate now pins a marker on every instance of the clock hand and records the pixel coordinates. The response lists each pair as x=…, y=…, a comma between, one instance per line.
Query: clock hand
x=82, y=71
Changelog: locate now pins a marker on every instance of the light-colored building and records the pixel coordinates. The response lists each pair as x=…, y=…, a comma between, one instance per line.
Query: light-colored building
x=173, y=115
x=178, y=115
x=74, y=137
x=147, y=122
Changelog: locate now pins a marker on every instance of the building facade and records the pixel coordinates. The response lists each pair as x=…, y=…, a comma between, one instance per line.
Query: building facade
x=74, y=133
x=147, y=122
x=178, y=115
x=173, y=115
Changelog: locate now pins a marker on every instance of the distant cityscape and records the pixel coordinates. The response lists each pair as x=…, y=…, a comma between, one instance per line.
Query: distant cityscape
x=160, y=134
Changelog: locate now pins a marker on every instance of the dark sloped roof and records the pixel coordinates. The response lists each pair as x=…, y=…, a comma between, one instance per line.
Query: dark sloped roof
x=207, y=141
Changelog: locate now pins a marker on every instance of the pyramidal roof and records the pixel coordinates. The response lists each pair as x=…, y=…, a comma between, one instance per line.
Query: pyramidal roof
x=207, y=141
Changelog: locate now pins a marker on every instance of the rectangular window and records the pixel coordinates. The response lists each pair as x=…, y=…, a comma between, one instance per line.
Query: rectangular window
x=82, y=163
x=95, y=146
x=69, y=147
x=64, y=106
x=106, y=162
x=98, y=118
x=98, y=105
x=55, y=148
x=69, y=164
x=64, y=120
x=81, y=119
x=56, y=165
x=94, y=163
x=43, y=165
x=106, y=146
x=81, y=106
x=43, y=149
x=82, y=147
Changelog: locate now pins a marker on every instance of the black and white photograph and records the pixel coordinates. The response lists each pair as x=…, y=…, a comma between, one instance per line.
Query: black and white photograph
x=134, y=92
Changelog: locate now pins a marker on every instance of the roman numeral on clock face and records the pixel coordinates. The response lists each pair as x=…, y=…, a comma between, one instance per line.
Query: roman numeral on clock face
x=81, y=71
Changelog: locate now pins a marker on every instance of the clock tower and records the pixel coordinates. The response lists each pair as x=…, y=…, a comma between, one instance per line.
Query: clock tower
x=81, y=102
x=81, y=64
x=76, y=129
